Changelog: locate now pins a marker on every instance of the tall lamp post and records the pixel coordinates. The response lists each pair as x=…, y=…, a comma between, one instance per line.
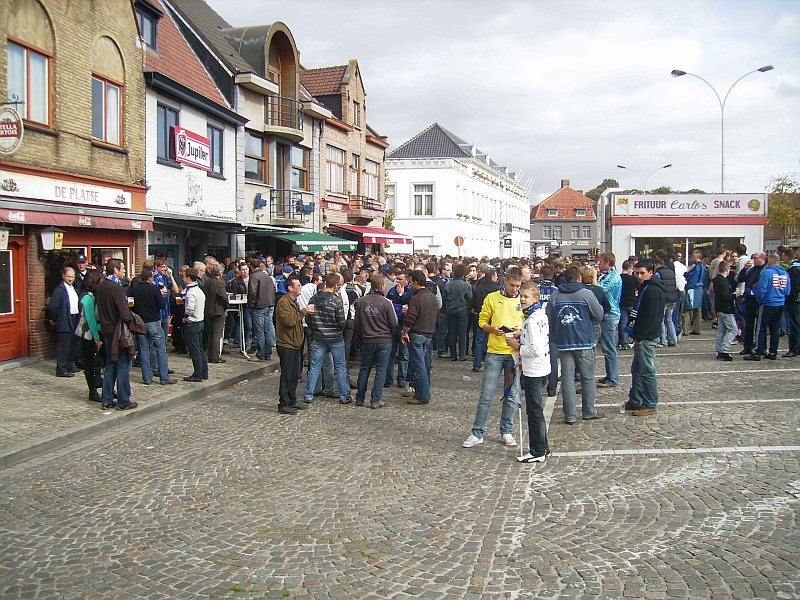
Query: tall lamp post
x=644, y=180
x=679, y=73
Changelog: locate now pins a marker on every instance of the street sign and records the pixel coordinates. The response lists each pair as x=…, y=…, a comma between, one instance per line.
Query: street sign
x=458, y=241
x=507, y=243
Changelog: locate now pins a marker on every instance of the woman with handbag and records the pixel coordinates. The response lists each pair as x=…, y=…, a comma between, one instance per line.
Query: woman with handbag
x=89, y=332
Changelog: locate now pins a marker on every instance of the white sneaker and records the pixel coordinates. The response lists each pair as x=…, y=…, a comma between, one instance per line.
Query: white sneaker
x=509, y=440
x=530, y=458
x=472, y=441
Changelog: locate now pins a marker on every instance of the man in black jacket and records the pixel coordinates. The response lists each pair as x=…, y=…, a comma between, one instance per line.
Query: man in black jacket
x=148, y=301
x=63, y=314
x=667, y=277
x=749, y=276
x=485, y=286
x=648, y=318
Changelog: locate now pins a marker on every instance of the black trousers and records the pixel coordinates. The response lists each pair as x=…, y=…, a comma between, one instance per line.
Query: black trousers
x=770, y=323
x=537, y=427
x=290, y=373
x=93, y=362
x=66, y=346
x=750, y=319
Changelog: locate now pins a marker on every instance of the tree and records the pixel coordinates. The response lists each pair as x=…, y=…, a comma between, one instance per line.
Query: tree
x=784, y=201
x=388, y=217
x=594, y=193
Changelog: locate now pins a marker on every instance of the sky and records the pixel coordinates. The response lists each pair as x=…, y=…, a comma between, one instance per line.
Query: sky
x=569, y=90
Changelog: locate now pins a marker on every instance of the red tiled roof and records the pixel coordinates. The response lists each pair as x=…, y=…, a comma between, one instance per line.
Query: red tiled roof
x=176, y=60
x=323, y=82
x=566, y=200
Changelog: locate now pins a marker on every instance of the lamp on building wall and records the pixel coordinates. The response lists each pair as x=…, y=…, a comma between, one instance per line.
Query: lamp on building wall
x=52, y=238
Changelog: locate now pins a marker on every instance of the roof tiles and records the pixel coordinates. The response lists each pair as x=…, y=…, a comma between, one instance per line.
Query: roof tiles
x=324, y=82
x=434, y=142
x=566, y=200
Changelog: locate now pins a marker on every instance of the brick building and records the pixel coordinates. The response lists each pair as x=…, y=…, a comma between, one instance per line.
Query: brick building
x=567, y=217
x=76, y=70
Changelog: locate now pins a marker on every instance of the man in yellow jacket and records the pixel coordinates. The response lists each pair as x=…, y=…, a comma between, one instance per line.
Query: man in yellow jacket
x=500, y=314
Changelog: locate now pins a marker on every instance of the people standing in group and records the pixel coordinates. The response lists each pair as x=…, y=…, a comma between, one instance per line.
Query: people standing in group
x=668, y=283
x=63, y=314
x=627, y=300
x=215, y=311
x=148, y=303
x=648, y=319
x=546, y=290
x=288, y=343
x=573, y=311
x=770, y=293
x=419, y=324
x=724, y=300
x=457, y=298
x=261, y=296
x=748, y=277
x=440, y=341
x=792, y=307
x=114, y=314
x=484, y=286
x=240, y=287
x=399, y=295
x=177, y=309
x=694, y=295
x=375, y=319
x=713, y=271
x=501, y=313
x=533, y=345
x=93, y=350
x=611, y=283
x=193, y=323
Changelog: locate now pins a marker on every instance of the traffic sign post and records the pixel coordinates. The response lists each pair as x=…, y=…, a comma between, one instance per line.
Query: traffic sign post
x=459, y=241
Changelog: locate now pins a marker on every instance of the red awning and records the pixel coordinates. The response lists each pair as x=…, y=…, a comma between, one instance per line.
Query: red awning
x=72, y=220
x=376, y=235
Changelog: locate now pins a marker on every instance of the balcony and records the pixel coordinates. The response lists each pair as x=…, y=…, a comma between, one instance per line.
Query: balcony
x=284, y=116
x=365, y=208
x=290, y=207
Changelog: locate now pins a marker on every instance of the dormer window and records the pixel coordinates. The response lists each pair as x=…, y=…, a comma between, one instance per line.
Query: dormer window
x=147, y=16
x=552, y=212
x=580, y=212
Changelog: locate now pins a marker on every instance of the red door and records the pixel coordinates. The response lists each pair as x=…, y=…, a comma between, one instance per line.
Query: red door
x=13, y=308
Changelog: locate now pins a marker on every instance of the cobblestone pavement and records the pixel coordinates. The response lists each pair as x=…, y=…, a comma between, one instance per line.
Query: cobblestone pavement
x=225, y=498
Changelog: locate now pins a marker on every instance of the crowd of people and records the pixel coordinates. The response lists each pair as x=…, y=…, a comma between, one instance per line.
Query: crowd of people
x=528, y=324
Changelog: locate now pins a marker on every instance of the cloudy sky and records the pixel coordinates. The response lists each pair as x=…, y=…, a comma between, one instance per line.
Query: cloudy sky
x=571, y=89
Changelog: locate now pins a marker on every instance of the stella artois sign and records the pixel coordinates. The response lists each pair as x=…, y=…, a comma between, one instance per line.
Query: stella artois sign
x=11, y=130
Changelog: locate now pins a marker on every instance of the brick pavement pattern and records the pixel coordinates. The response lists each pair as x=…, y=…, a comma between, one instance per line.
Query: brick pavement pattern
x=225, y=498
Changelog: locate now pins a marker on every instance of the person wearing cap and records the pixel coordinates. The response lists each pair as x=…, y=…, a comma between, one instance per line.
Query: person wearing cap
x=82, y=264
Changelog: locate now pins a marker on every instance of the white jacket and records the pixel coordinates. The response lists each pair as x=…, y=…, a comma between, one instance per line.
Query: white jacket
x=534, y=342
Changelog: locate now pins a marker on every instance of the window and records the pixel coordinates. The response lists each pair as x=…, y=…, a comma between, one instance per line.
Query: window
x=255, y=158
x=547, y=232
x=580, y=212
x=552, y=212
x=391, y=198
x=147, y=29
x=587, y=231
x=214, y=135
x=354, y=166
x=576, y=232
x=106, y=109
x=356, y=114
x=335, y=159
x=372, y=179
x=29, y=80
x=557, y=232
x=423, y=199
x=166, y=118
x=299, y=168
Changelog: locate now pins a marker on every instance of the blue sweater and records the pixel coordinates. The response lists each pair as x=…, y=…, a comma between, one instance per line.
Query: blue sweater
x=573, y=310
x=611, y=282
x=773, y=286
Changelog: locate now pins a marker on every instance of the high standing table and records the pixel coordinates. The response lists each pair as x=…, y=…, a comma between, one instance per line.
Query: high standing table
x=239, y=307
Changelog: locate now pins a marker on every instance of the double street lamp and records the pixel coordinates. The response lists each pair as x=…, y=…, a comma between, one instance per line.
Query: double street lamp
x=679, y=73
x=644, y=180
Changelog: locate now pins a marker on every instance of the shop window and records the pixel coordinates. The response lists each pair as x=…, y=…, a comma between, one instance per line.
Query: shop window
x=299, y=168
x=166, y=120
x=214, y=135
x=101, y=255
x=29, y=79
x=106, y=110
x=255, y=158
x=335, y=158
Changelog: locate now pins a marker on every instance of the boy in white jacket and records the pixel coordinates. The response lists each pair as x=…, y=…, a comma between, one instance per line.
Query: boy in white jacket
x=534, y=349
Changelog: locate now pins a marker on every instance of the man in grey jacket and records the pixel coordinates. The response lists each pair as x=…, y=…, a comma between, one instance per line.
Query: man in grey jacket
x=261, y=300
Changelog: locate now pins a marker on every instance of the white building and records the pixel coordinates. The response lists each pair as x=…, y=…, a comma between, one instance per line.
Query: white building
x=440, y=187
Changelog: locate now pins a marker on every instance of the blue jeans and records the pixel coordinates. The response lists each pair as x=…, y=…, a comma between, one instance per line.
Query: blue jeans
x=117, y=372
x=263, y=331
x=457, y=321
x=481, y=340
x=419, y=365
x=583, y=360
x=644, y=390
x=676, y=313
x=668, y=335
x=315, y=358
x=624, y=317
x=193, y=334
x=402, y=368
x=496, y=368
x=376, y=355
x=440, y=334
x=608, y=343
x=154, y=339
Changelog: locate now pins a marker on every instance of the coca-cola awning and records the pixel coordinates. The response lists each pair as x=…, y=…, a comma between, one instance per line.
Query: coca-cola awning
x=375, y=235
x=35, y=217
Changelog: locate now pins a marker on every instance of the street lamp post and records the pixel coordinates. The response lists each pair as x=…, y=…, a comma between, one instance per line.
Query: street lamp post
x=644, y=180
x=679, y=73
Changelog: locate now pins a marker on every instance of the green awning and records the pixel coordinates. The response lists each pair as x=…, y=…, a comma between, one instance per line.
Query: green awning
x=317, y=242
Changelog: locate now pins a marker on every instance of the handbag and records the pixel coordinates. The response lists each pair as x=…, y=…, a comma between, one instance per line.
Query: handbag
x=694, y=297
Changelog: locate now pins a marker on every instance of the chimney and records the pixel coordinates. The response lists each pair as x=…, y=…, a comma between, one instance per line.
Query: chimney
x=564, y=183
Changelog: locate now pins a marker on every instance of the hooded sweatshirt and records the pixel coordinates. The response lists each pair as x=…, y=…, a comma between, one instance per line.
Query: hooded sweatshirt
x=649, y=318
x=773, y=286
x=535, y=344
x=572, y=312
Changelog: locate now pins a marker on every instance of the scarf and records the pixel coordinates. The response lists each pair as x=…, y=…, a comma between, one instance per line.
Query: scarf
x=114, y=278
x=529, y=311
x=503, y=291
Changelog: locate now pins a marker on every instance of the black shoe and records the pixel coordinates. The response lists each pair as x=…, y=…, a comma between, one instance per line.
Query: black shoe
x=170, y=371
x=178, y=351
x=790, y=354
x=474, y=370
x=463, y=359
x=299, y=406
x=331, y=395
x=73, y=370
x=771, y=356
x=552, y=393
x=65, y=374
x=288, y=410
x=743, y=352
x=94, y=396
x=193, y=379
x=754, y=357
x=724, y=356
x=694, y=333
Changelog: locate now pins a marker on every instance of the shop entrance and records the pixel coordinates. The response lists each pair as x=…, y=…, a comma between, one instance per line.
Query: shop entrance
x=13, y=302
x=647, y=246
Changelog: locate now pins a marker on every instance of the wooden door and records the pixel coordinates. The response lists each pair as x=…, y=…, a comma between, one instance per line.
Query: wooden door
x=13, y=307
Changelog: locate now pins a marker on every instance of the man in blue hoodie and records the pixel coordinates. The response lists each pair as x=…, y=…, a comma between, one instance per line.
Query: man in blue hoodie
x=611, y=282
x=573, y=310
x=771, y=293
